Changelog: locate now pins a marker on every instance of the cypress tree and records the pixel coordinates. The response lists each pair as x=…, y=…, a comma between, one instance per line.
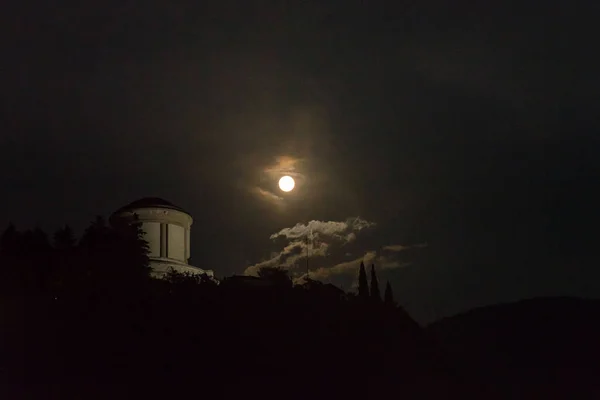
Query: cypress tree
x=375, y=295
x=363, y=285
x=388, y=296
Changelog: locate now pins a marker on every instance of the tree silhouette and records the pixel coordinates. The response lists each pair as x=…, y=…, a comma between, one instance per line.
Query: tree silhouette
x=177, y=278
x=130, y=244
x=363, y=285
x=26, y=259
x=64, y=238
x=388, y=296
x=40, y=239
x=276, y=275
x=114, y=258
x=13, y=268
x=67, y=272
x=375, y=295
x=39, y=250
x=9, y=241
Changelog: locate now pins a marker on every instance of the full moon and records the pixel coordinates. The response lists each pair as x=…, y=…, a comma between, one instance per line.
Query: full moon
x=286, y=183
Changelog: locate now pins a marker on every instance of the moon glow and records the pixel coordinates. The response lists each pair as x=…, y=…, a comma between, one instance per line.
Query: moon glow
x=286, y=183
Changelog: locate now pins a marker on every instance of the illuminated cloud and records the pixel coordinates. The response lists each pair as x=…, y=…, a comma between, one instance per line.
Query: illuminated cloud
x=344, y=268
x=289, y=257
x=343, y=231
x=350, y=268
x=267, y=195
x=314, y=238
x=385, y=263
x=283, y=165
x=322, y=240
x=399, y=247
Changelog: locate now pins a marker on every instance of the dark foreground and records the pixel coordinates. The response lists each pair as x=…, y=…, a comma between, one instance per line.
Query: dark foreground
x=278, y=343
x=290, y=343
x=82, y=319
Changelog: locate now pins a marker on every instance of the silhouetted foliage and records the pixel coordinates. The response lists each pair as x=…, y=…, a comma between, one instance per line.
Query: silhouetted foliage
x=276, y=275
x=25, y=258
x=363, y=285
x=102, y=316
x=375, y=295
x=187, y=278
x=116, y=250
x=388, y=296
x=64, y=238
x=326, y=293
x=8, y=241
x=183, y=281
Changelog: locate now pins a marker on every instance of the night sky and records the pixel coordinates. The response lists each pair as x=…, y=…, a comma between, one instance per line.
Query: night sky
x=455, y=144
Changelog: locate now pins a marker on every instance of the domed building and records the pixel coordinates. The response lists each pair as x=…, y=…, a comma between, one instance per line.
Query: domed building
x=167, y=230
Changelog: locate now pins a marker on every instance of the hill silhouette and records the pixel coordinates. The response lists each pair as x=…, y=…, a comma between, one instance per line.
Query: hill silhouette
x=535, y=348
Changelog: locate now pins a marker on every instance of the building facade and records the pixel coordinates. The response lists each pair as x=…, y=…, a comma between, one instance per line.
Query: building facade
x=167, y=230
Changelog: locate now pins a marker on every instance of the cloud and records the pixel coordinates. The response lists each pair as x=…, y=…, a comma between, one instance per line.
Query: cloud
x=345, y=268
x=289, y=256
x=283, y=165
x=399, y=247
x=313, y=238
x=320, y=239
x=351, y=267
x=386, y=263
x=343, y=231
x=266, y=195
x=395, y=248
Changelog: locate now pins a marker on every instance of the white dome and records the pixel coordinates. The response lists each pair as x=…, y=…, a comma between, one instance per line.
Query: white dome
x=167, y=230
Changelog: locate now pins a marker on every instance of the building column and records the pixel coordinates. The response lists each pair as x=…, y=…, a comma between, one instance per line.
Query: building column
x=187, y=244
x=163, y=240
